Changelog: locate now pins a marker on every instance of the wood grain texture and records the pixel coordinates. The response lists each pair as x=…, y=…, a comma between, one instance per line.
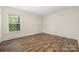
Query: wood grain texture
x=41, y=42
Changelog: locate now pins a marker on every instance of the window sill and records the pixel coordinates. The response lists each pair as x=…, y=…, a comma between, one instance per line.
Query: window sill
x=14, y=32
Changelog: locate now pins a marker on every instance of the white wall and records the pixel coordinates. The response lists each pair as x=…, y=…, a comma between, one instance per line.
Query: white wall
x=0, y=23
x=30, y=23
x=63, y=23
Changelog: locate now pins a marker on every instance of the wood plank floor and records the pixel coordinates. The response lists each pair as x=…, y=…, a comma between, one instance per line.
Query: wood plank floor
x=33, y=43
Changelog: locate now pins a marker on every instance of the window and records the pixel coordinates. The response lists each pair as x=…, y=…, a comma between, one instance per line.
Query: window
x=14, y=23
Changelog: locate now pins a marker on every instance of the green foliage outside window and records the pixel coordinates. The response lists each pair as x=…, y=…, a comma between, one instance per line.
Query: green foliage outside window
x=14, y=23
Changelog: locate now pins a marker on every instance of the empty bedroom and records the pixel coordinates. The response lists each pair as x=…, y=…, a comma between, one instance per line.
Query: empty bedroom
x=39, y=29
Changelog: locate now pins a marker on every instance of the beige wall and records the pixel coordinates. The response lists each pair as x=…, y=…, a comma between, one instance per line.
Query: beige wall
x=64, y=23
x=0, y=23
x=30, y=23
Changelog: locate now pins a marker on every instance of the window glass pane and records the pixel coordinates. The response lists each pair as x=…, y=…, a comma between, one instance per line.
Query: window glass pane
x=18, y=27
x=12, y=27
x=18, y=19
x=14, y=23
x=12, y=20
